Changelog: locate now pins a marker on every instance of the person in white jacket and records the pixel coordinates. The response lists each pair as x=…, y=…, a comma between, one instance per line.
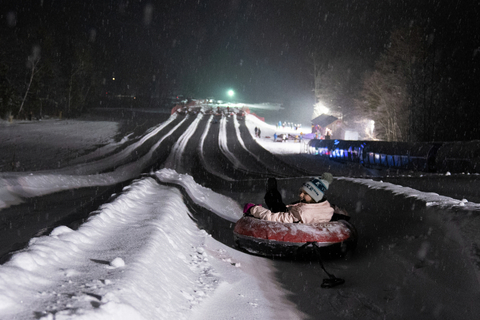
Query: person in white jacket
x=312, y=207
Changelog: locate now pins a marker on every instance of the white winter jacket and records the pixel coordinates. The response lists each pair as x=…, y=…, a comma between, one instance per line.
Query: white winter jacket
x=300, y=212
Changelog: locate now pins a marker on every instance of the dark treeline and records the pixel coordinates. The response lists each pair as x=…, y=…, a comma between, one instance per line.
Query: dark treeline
x=421, y=89
x=61, y=57
x=49, y=63
x=422, y=86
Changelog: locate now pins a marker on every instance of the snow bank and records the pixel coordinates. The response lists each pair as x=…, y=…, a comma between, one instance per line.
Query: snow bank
x=221, y=205
x=222, y=142
x=139, y=257
x=177, y=151
x=15, y=186
x=429, y=198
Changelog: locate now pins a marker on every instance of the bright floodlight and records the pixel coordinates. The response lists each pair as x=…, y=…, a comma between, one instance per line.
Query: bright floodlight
x=320, y=108
x=231, y=93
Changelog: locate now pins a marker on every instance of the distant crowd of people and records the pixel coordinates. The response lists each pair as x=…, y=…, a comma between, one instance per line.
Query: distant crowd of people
x=283, y=137
x=290, y=125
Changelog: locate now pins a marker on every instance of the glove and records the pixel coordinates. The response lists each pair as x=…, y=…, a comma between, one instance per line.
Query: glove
x=246, y=208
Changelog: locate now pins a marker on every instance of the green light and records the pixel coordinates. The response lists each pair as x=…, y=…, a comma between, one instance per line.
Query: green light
x=231, y=93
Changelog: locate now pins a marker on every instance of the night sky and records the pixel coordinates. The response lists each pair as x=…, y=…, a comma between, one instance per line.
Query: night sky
x=259, y=48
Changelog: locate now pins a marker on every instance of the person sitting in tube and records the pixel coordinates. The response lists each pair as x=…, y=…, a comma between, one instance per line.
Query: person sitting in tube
x=312, y=207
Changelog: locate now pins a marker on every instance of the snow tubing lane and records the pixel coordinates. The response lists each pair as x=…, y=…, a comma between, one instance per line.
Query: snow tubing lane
x=276, y=239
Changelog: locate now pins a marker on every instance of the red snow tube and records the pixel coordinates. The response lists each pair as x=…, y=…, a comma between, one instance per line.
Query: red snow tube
x=276, y=239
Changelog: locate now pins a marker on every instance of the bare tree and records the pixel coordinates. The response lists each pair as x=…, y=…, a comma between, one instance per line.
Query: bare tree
x=384, y=102
x=337, y=79
x=32, y=64
x=389, y=92
x=81, y=75
x=320, y=63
